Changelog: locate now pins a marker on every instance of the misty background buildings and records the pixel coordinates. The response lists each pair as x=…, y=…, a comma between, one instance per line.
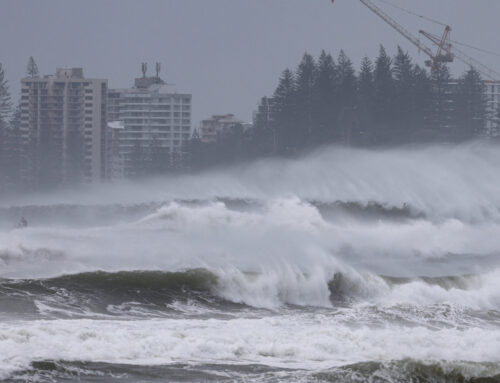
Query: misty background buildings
x=69, y=129
x=65, y=131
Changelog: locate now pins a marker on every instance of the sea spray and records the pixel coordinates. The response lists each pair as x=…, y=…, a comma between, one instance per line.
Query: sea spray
x=346, y=264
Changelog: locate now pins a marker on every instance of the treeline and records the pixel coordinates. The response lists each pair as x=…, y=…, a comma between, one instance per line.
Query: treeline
x=10, y=156
x=14, y=151
x=388, y=101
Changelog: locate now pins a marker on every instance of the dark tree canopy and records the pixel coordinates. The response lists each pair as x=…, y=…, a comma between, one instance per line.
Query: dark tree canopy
x=5, y=109
x=32, y=68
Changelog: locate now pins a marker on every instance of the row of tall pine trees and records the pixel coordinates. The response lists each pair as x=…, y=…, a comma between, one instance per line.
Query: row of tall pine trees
x=388, y=101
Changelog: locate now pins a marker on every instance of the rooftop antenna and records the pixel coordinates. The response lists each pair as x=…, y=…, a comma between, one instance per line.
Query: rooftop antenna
x=144, y=68
x=158, y=69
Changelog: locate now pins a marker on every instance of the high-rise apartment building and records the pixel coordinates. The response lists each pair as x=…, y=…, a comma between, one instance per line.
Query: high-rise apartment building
x=63, y=121
x=155, y=125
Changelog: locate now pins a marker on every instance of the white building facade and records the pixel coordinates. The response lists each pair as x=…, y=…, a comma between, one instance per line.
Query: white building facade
x=154, y=120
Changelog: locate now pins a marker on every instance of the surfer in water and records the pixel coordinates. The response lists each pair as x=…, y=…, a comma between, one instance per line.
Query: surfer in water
x=22, y=223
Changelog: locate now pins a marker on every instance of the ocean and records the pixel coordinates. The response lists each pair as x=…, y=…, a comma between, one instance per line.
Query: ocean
x=344, y=265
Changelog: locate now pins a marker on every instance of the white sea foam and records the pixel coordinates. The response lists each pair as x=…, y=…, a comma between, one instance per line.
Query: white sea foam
x=298, y=341
x=280, y=254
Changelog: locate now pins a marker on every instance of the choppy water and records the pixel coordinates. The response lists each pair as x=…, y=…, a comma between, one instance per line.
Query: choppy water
x=343, y=266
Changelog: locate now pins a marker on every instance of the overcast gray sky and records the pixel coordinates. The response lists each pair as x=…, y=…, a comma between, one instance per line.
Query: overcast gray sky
x=228, y=53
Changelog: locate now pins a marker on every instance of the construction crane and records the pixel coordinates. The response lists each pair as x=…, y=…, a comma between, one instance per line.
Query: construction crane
x=443, y=53
x=446, y=51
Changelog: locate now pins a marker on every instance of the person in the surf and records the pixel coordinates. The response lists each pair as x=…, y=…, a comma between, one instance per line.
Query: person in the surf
x=22, y=223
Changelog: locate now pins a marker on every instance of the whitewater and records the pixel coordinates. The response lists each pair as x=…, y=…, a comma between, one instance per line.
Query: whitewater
x=343, y=265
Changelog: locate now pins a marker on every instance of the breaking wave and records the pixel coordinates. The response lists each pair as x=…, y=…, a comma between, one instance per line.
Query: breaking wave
x=414, y=371
x=394, y=371
x=200, y=291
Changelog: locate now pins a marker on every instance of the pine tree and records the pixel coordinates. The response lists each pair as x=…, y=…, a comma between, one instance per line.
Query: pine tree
x=441, y=116
x=404, y=105
x=12, y=153
x=347, y=99
x=5, y=109
x=366, y=94
x=384, y=95
x=347, y=81
x=325, y=105
x=423, y=104
x=263, y=138
x=305, y=80
x=285, y=128
x=471, y=105
x=32, y=68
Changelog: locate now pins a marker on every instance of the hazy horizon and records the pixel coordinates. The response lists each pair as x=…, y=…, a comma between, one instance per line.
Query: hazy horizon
x=227, y=53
